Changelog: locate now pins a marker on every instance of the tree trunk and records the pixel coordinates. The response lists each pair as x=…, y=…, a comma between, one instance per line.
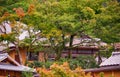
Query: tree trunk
x=45, y=57
x=70, y=46
x=58, y=55
x=60, y=48
x=63, y=38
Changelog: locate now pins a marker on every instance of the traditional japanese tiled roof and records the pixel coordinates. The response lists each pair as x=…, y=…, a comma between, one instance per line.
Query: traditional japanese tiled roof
x=87, y=42
x=110, y=64
x=112, y=61
x=2, y=57
x=15, y=68
x=12, y=65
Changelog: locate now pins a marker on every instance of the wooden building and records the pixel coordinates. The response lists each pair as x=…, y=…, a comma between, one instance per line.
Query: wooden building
x=88, y=47
x=82, y=50
x=81, y=46
x=11, y=68
x=108, y=68
x=78, y=48
x=39, y=56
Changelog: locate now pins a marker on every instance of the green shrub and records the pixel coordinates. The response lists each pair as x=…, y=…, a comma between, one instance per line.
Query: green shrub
x=27, y=74
x=40, y=64
x=87, y=61
x=82, y=61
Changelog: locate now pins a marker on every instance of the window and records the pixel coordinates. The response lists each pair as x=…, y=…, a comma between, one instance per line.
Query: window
x=32, y=56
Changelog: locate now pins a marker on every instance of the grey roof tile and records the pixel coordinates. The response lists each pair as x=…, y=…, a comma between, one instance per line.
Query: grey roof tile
x=2, y=57
x=15, y=68
x=113, y=60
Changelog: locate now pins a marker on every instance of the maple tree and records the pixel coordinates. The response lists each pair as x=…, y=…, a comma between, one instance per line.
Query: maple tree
x=14, y=22
x=60, y=21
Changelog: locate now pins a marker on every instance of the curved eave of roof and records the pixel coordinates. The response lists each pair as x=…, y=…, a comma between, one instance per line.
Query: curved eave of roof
x=84, y=47
x=103, y=69
x=16, y=68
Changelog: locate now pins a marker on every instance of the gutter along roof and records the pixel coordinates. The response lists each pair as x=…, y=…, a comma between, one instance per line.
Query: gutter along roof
x=111, y=68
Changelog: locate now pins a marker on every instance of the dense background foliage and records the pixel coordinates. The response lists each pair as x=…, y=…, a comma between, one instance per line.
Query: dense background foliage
x=59, y=21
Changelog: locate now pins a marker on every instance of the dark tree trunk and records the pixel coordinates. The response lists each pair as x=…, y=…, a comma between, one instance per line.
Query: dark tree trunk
x=45, y=57
x=70, y=46
x=60, y=48
x=63, y=38
x=58, y=55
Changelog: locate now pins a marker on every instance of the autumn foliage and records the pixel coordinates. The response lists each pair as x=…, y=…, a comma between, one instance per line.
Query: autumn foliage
x=30, y=9
x=19, y=11
x=63, y=70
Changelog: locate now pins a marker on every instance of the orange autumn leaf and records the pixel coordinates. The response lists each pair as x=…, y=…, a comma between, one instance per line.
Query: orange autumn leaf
x=19, y=11
x=30, y=9
x=57, y=70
